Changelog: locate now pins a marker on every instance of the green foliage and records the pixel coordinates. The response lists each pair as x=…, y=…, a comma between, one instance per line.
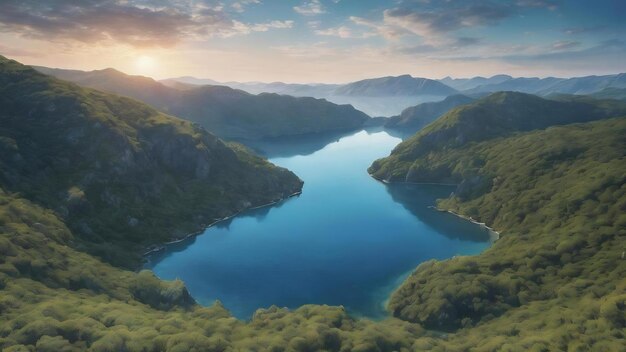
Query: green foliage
x=497, y=115
x=122, y=175
x=558, y=197
x=148, y=289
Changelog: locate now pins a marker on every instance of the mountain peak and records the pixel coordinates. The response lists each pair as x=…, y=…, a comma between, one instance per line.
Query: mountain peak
x=404, y=85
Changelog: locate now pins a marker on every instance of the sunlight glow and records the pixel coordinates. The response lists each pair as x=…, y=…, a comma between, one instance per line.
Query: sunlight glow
x=145, y=64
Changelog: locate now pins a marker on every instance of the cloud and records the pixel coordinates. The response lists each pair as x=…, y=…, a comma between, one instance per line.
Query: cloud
x=343, y=32
x=314, y=24
x=310, y=8
x=607, y=55
x=584, y=30
x=242, y=28
x=139, y=23
x=431, y=21
x=309, y=51
x=10, y=51
x=466, y=41
x=603, y=50
x=565, y=44
x=436, y=21
x=451, y=48
x=387, y=31
x=239, y=6
x=416, y=49
x=549, y=4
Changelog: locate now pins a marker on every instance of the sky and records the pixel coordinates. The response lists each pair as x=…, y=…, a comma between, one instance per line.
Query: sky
x=330, y=41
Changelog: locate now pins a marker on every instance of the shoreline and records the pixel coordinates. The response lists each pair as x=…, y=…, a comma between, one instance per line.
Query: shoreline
x=159, y=247
x=411, y=183
x=494, y=235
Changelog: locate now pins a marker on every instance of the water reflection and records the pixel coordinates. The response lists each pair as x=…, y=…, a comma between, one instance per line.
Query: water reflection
x=284, y=147
x=258, y=214
x=420, y=199
x=399, y=133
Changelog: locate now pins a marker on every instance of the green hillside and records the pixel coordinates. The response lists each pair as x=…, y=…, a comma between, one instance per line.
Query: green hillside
x=54, y=298
x=122, y=175
x=414, y=118
x=556, y=276
x=499, y=114
x=556, y=194
x=611, y=93
x=229, y=113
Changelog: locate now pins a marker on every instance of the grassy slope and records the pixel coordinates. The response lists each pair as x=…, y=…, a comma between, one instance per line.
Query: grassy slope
x=121, y=174
x=227, y=112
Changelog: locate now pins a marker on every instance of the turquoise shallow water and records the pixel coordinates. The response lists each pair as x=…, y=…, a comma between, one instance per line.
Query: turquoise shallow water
x=347, y=240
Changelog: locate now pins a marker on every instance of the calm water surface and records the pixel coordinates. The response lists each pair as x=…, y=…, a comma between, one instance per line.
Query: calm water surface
x=347, y=240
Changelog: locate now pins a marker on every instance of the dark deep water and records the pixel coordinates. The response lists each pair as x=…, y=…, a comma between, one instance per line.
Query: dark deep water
x=347, y=240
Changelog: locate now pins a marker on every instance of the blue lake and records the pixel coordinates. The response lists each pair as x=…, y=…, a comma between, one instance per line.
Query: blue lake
x=347, y=240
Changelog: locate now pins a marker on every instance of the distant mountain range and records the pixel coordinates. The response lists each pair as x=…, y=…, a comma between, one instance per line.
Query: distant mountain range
x=389, y=96
x=395, y=86
x=469, y=83
x=408, y=86
x=229, y=113
x=549, y=85
x=295, y=89
x=386, y=96
x=404, y=85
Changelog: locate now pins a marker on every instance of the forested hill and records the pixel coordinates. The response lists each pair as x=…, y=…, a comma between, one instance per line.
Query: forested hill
x=414, y=118
x=229, y=113
x=555, y=278
x=121, y=174
x=497, y=115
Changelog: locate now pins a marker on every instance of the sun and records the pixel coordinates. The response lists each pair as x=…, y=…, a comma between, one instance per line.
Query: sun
x=145, y=64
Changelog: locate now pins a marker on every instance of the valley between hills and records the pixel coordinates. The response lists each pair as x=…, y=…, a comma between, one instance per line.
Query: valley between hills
x=96, y=167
